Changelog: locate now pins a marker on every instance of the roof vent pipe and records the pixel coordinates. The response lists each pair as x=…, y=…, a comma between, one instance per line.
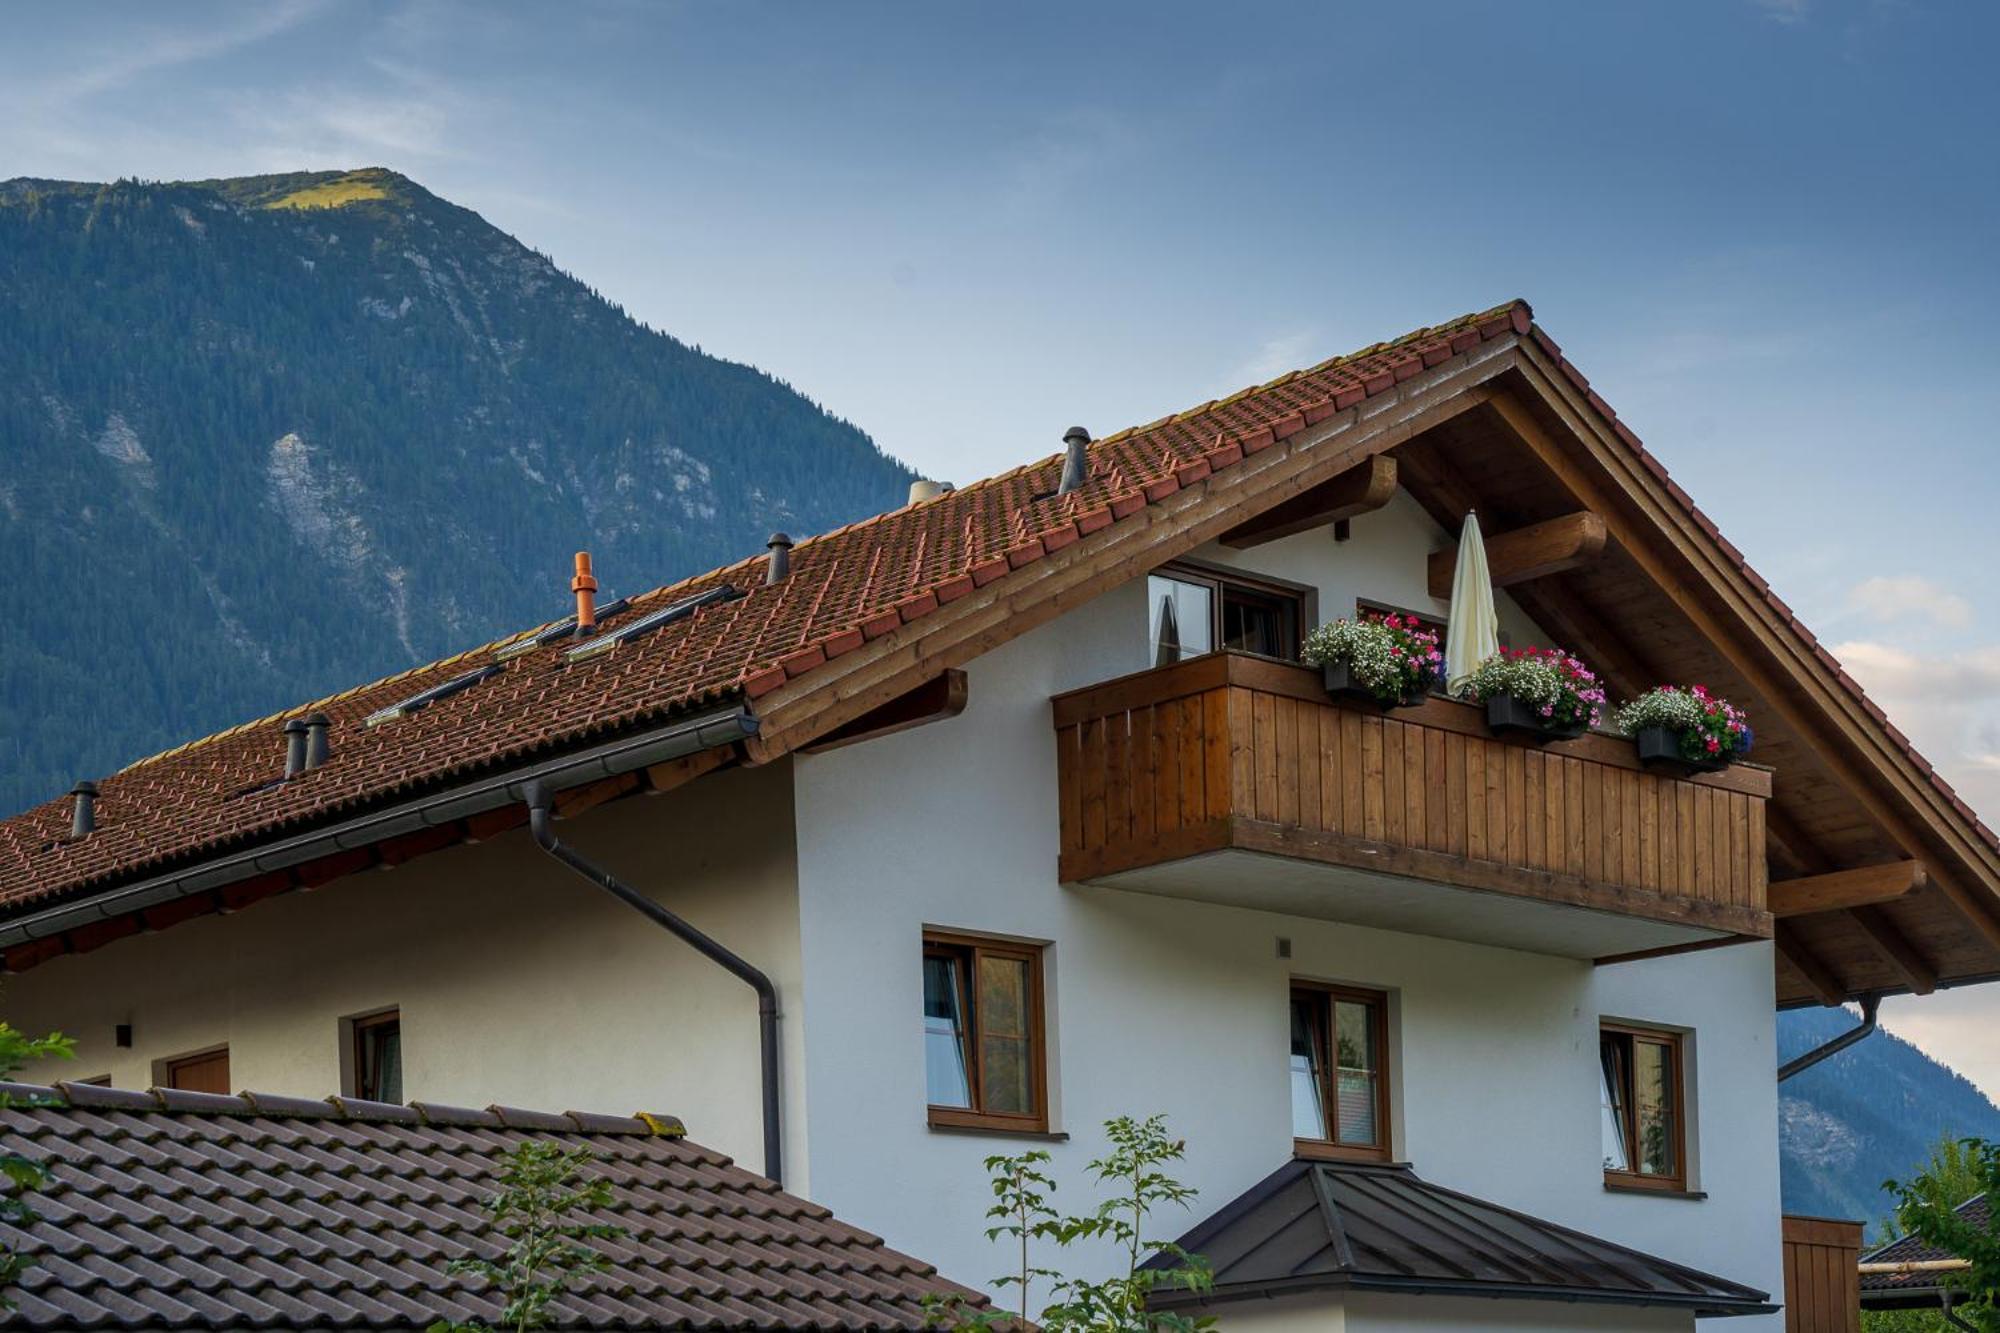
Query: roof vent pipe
x=780, y=562
x=317, y=752
x=1076, y=463
x=584, y=585
x=295, y=747
x=83, y=818
x=922, y=490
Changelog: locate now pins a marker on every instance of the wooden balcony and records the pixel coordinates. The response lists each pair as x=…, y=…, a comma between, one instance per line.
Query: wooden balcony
x=1237, y=780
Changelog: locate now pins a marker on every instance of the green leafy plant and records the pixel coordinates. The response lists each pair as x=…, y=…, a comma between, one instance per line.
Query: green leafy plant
x=1927, y=1208
x=1133, y=1167
x=22, y=1175
x=541, y=1209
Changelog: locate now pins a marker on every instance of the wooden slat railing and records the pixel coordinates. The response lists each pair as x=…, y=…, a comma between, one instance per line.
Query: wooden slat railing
x=1822, y=1282
x=1229, y=750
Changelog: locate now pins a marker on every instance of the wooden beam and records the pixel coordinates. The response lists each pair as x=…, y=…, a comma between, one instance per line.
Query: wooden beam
x=576, y=800
x=1819, y=978
x=664, y=777
x=1846, y=888
x=941, y=697
x=1355, y=491
x=1528, y=553
x=1895, y=946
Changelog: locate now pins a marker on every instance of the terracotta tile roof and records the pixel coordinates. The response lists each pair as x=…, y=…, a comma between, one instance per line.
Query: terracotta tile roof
x=845, y=588
x=193, y=1210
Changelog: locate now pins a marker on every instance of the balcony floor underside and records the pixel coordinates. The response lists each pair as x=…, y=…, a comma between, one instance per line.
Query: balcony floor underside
x=1294, y=886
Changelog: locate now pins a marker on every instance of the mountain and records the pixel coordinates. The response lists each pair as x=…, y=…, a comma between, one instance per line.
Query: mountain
x=267, y=438
x=1867, y=1115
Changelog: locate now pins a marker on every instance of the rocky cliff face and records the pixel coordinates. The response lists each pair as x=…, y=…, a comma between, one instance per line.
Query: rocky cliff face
x=267, y=438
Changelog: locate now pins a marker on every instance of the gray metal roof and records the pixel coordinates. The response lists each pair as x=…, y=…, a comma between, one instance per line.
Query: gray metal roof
x=1312, y=1226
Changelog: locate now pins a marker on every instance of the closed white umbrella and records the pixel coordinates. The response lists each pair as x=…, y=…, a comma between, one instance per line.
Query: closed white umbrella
x=1473, y=633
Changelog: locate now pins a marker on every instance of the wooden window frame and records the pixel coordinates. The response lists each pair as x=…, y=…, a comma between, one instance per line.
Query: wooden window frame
x=1676, y=1043
x=958, y=944
x=1333, y=1149
x=169, y=1068
x=358, y=1029
x=1299, y=599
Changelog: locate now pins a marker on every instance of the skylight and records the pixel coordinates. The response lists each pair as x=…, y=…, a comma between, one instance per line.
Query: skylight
x=430, y=696
x=562, y=629
x=646, y=624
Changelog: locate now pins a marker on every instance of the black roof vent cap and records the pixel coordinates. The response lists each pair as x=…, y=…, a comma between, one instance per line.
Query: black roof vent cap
x=295, y=747
x=780, y=562
x=317, y=751
x=83, y=815
x=1076, y=462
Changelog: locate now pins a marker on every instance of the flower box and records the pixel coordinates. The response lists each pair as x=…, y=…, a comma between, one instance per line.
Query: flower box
x=1661, y=748
x=1509, y=716
x=1389, y=663
x=1341, y=684
x=1686, y=729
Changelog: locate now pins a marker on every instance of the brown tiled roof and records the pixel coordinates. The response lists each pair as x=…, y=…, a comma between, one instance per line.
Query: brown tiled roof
x=1892, y=1291
x=193, y=1210
x=845, y=588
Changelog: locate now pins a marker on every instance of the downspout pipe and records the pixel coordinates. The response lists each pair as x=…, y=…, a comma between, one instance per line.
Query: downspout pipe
x=1869, y=1004
x=541, y=815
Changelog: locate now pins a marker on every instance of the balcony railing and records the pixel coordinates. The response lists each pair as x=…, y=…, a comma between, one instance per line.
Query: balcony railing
x=1221, y=777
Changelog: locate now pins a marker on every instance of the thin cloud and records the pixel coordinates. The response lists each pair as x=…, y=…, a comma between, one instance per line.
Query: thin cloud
x=1904, y=596
x=1784, y=11
x=158, y=51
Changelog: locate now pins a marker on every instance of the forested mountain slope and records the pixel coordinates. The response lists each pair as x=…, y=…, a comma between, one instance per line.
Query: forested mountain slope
x=1871, y=1113
x=267, y=438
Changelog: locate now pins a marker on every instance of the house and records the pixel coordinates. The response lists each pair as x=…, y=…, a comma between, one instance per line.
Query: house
x=931, y=838
x=1909, y=1274
x=193, y=1210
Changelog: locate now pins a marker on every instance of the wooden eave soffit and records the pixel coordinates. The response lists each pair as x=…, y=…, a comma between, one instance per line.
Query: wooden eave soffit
x=1528, y=553
x=1364, y=487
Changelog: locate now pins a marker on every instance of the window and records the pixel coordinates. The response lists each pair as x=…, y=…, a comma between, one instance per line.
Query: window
x=377, y=1054
x=984, y=1064
x=207, y=1072
x=1340, y=1072
x=1196, y=611
x=1641, y=1084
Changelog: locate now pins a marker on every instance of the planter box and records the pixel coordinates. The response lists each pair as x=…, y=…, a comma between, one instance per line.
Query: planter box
x=1508, y=716
x=1341, y=685
x=1660, y=748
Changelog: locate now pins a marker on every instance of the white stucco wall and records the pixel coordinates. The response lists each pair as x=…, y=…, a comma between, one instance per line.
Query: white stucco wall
x=519, y=983
x=1166, y=1005
x=1366, y=1312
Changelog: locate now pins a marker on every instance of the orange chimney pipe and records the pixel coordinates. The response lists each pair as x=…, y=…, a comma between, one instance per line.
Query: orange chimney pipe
x=585, y=588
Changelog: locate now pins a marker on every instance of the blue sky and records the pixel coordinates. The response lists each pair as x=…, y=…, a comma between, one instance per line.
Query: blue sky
x=1765, y=229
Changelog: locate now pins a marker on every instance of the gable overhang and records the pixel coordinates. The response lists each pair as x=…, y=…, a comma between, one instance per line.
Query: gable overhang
x=1520, y=393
